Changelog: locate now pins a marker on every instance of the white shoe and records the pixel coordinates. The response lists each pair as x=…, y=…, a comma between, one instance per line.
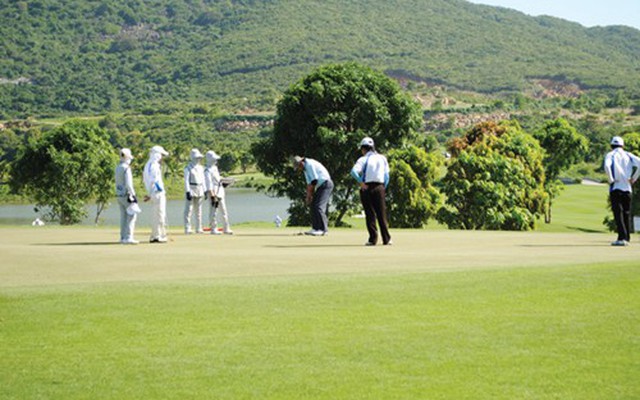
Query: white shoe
x=369, y=244
x=129, y=241
x=620, y=243
x=199, y=232
x=317, y=233
x=229, y=232
x=214, y=231
x=187, y=232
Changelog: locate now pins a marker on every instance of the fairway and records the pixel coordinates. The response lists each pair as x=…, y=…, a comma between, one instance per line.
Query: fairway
x=270, y=314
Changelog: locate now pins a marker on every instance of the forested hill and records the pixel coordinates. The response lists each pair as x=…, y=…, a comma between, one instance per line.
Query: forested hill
x=96, y=56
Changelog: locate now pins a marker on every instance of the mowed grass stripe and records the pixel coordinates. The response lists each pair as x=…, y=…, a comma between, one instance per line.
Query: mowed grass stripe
x=66, y=256
x=542, y=333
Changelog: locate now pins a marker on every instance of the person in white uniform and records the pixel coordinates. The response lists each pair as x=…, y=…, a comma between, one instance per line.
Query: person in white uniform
x=126, y=196
x=622, y=169
x=153, y=182
x=215, y=188
x=194, y=191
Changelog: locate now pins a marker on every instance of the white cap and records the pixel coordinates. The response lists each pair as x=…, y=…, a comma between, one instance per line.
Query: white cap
x=297, y=160
x=195, y=153
x=617, y=141
x=125, y=154
x=211, y=155
x=366, y=142
x=159, y=150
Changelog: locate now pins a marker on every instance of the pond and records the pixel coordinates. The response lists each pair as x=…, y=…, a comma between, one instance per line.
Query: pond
x=244, y=205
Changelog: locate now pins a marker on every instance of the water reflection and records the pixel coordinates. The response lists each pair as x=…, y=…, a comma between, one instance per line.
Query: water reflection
x=244, y=205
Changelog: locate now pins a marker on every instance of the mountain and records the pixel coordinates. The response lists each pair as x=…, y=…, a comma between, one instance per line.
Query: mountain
x=97, y=56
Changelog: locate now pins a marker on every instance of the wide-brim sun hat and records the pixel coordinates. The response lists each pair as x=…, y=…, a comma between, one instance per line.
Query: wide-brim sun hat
x=126, y=154
x=211, y=155
x=159, y=150
x=195, y=153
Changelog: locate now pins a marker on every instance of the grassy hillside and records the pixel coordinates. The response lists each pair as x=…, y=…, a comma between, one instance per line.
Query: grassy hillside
x=95, y=56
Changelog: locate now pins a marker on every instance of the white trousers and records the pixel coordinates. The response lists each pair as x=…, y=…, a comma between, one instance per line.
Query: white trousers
x=189, y=206
x=213, y=215
x=127, y=222
x=158, y=216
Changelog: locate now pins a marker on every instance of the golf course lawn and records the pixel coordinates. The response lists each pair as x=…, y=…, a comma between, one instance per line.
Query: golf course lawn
x=270, y=314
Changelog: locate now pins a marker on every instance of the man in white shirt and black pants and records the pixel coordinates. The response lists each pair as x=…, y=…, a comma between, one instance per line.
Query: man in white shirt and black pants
x=372, y=171
x=619, y=166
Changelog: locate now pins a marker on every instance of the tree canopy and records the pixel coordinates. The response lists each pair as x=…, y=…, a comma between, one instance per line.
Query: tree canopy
x=65, y=168
x=324, y=116
x=563, y=146
x=495, y=179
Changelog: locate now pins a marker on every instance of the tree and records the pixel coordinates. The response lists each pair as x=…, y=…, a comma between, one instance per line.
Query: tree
x=495, y=180
x=413, y=198
x=563, y=146
x=65, y=168
x=228, y=161
x=324, y=116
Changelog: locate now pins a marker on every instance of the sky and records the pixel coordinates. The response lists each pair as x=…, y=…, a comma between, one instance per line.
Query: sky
x=586, y=12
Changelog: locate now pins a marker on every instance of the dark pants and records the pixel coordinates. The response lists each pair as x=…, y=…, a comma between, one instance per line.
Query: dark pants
x=320, y=207
x=621, y=206
x=375, y=208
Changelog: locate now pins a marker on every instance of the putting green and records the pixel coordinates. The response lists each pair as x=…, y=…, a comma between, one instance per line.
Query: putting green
x=76, y=255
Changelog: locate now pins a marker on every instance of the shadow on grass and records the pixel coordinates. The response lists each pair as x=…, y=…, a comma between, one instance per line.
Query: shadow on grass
x=313, y=246
x=567, y=245
x=79, y=244
x=266, y=234
x=575, y=228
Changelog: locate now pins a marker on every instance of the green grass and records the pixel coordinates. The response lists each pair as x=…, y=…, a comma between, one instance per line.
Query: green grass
x=579, y=208
x=269, y=314
x=533, y=333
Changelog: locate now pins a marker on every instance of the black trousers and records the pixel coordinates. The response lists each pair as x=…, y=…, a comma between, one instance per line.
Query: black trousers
x=621, y=206
x=375, y=209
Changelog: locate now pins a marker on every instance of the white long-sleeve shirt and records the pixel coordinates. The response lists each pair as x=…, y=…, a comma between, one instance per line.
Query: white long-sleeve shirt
x=370, y=168
x=124, y=180
x=194, y=179
x=152, y=175
x=212, y=181
x=619, y=166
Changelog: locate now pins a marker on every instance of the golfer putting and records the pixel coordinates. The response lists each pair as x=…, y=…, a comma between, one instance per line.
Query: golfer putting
x=319, y=188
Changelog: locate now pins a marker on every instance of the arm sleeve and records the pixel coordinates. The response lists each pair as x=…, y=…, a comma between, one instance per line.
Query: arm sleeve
x=386, y=173
x=128, y=179
x=356, y=171
x=636, y=164
x=608, y=161
x=186, y=180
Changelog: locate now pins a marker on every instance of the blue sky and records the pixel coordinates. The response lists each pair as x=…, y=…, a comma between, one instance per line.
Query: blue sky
x=586, y=12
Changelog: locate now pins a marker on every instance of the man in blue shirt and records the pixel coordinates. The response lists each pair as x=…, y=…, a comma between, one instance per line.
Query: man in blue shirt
x=319, y=188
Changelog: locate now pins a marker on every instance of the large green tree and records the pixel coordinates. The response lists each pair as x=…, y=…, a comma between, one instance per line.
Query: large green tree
x=495, y=179
x=563, y=146
x=413, y=197
x=65, y=168
x=324, y=116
